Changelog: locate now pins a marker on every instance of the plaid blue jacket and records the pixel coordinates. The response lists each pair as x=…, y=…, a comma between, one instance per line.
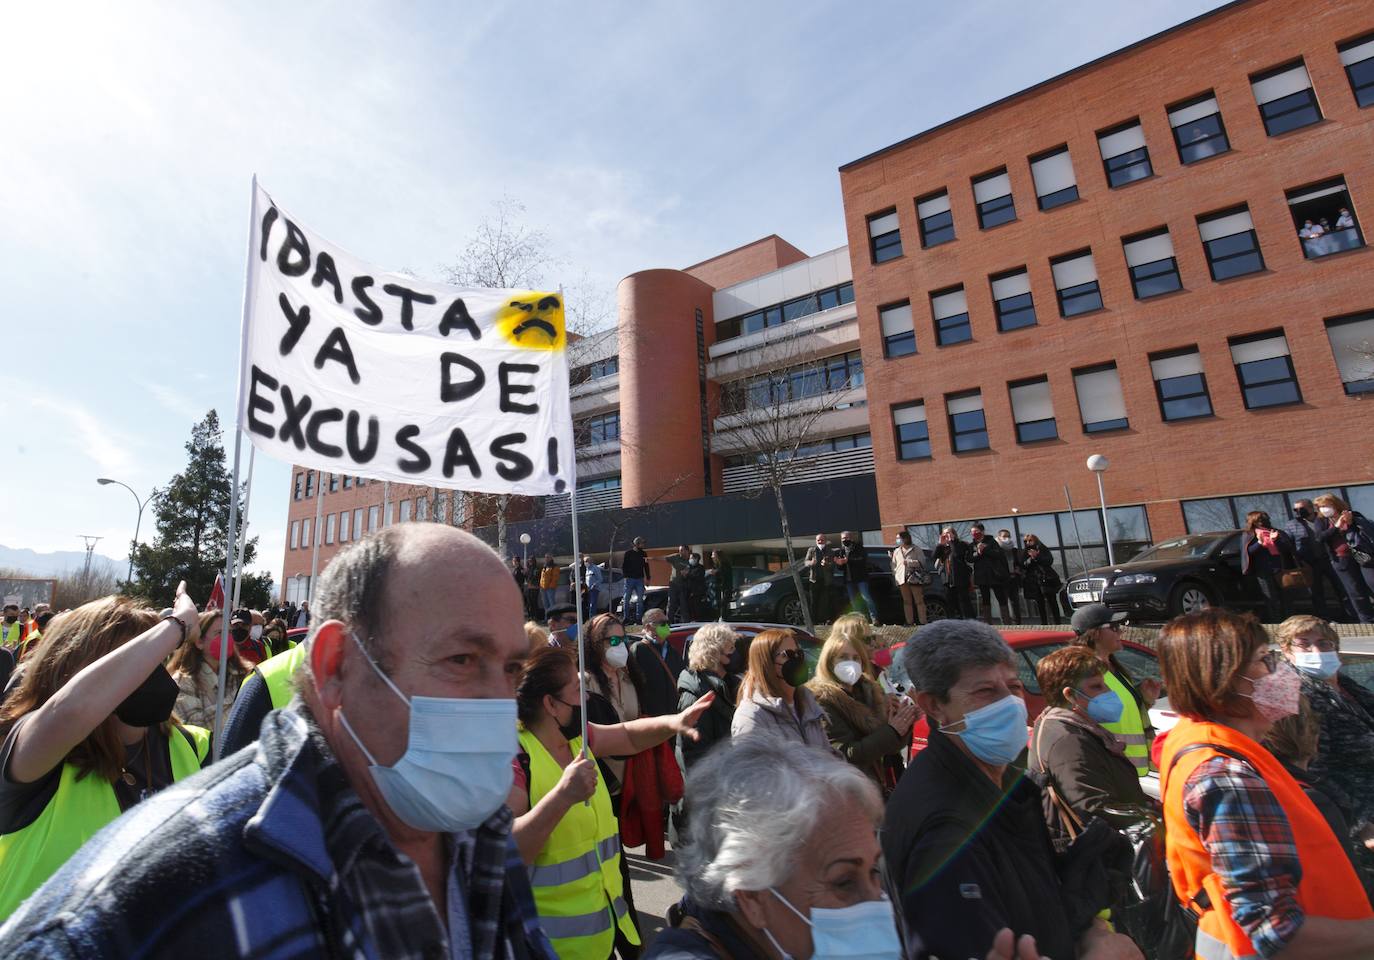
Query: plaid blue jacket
x=228, y=863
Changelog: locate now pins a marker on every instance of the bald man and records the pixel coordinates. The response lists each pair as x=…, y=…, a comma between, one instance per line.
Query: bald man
x=368, y=818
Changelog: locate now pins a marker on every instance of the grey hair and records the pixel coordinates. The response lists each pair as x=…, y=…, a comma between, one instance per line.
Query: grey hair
x=756, y=800
x=937, y=655
x=708, y=644
x=352, y=588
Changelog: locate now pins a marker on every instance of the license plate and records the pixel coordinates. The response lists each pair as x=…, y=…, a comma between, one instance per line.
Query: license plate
x=1085, y=597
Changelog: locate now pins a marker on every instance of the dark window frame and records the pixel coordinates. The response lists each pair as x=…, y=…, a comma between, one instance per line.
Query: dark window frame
x=1316, y=248
x=1150, y=272
x=1117, y=164
x=1164, y=398
x=901, y=442
x=955, y=433
x=1056, y=198
x=1021, y=425
x=1245, y=388
x=902, y=344
x=1219, y=134
x=995, y=207
x=932, y=235
x=1213, y=260
x=775, y=314
x=1361, y=89
x=884, y=243
x=1004, y=313
x=1099, y=426
x=1287, y=106
x=1079, y=290
x=1360, y=386
x=952, y=324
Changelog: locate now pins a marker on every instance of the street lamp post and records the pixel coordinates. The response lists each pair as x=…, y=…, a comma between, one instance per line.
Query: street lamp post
x=1098, y=464
x=105, y=481
x=525, y=548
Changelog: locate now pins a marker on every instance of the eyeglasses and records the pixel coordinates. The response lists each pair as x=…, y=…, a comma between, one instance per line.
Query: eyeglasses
x=1117, y=626
x=616, y=640
x=1304, y=643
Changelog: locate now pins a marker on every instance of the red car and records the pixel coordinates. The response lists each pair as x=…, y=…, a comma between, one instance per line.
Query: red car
x=1029, y=648
x=682, y=632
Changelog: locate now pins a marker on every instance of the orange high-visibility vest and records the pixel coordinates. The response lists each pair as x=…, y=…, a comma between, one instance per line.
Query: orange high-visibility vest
x=1329, y=887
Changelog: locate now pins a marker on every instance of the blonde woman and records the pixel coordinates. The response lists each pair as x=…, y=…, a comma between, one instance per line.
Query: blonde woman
x=864, y=726
x=537, y=635
x=89, y=733
x=774, y=697
x=910, y=571
x=195, y=668
x=1349, y=537
x=708, y=665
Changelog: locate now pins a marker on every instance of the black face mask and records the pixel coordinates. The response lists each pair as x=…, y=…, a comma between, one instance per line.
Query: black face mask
x=11, y=617
x=794, y=670
x=152, y=702
x=573, y=728
x=1302, y=513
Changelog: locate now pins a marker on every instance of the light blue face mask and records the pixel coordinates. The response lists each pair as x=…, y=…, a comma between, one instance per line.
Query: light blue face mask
x=995, y=734
x=1106, y=707
x=861, y=931
x=456, y=770
x=1322, y=664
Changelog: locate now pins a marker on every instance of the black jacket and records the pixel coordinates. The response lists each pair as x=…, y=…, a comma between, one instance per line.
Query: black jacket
x=1310, y=538
x=1257, y=561
x=635, y=564
x=660, y=678
x=855, y=569
x=955, y=562
x=685, y=943
x=1040, y=579
x=714, y=724
x=989, y=563
x=965, y=859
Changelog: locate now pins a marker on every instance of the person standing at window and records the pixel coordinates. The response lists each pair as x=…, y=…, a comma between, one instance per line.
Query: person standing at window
x=1350, y=538
x=1264, y=554
x=1041, y=581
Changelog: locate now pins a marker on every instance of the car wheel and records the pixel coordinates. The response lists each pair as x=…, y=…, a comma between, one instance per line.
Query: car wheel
x=935, y=610
x=790, y=611
x=1190, y=598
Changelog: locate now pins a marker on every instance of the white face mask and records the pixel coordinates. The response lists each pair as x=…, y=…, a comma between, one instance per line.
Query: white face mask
x=1328, y=512
x=256, y=631
x=618, y=655
x=849, y=671
x=1004, y=540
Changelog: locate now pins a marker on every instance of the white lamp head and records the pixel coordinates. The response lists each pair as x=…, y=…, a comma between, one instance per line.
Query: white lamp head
x=1097, y=463
x=525, y=538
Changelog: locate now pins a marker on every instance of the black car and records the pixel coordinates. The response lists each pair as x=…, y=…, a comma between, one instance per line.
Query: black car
x=774, y=598
x=656, y=598
x=1178, y=576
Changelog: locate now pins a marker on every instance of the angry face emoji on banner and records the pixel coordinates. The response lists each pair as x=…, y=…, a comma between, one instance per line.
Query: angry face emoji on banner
x=534, y=322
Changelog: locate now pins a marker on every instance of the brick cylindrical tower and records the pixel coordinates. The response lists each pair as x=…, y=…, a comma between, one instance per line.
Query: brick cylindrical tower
x=665, y=325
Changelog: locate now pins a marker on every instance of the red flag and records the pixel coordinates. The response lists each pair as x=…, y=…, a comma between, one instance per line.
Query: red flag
x=216, y=601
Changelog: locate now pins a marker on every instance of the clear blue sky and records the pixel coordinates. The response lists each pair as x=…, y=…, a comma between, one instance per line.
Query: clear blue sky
x=637, y=135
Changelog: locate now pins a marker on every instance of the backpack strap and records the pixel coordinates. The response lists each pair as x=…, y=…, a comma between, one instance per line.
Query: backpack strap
x=1200, y=900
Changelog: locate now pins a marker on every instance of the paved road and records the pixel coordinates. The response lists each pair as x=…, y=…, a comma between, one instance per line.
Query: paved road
x=654, y=890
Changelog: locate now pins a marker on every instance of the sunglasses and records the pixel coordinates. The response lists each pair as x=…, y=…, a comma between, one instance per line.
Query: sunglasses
x=615, y=641
x=790, y=654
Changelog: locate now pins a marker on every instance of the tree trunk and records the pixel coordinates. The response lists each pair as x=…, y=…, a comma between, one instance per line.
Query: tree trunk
x=502, y=502
x=792, y=558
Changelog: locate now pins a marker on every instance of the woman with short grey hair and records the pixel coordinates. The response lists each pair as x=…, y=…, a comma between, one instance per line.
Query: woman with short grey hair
x=708, y=659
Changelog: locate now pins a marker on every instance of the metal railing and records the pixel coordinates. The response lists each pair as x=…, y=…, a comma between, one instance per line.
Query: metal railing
x=821, y=466
x=588, y=501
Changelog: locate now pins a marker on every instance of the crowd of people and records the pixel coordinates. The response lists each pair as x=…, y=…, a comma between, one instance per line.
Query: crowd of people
x=421, y=778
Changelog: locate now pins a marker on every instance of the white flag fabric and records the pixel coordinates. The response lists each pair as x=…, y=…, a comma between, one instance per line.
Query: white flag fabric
x=349, y=369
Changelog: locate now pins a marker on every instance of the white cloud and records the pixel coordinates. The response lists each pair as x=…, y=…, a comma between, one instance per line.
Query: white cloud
x=86, y=434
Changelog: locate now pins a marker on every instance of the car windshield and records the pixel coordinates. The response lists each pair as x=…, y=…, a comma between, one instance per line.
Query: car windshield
x=1184, y=548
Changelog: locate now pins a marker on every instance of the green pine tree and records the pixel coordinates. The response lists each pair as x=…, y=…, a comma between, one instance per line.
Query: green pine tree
x=192, y=514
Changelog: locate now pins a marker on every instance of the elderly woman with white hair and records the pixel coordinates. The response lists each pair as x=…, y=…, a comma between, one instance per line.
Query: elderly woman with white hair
x=966, y=847
x=708, y=664
x=782, y=861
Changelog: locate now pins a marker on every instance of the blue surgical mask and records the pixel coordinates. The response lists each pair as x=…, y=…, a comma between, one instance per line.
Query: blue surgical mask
x=859, y=931
x=1322, y=664
x=1106, y=707
x=995, y=734
x=456, y=770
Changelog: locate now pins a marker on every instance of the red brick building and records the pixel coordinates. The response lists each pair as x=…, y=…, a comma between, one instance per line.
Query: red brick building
x=1110, y=263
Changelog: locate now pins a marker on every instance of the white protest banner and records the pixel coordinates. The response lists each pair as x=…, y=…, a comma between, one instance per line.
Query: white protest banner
x=350, y=369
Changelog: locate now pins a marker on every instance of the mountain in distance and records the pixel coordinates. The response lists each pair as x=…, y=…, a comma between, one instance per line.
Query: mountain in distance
x=35, y=564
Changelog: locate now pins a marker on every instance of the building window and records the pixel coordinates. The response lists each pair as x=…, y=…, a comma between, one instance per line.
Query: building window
x=854, y=441
x=596, y=370
x=333, y=483
x=1198, y=130
x=1011, y=300
x=305, y=532
x=1265, y=371
x=343, y=526
x=309, y=484
x=602, y=429
x=843, y=371
x=1150, y=259
x=295, y=534
x=358, y=523
x=374, y=518
x=1033, y=410
x=1285, y=98
x=993, y=196
x=1055, y=184
x=1180, y=384
x=300, y=486
x=360, y=481
x=1324, y=219
x=421, y=508
x=772, y=316
x=1231, y=244
x=1357, y=57
x=1075, y=283
x=950, y=309
x=1352, y=344
x=937, y=222
x=1100, y=402
x=899, y=335
x=347, y=482
x=968, y=428
x=329, y=529
x=884, y=237
x=1124, y=154
x=913, y=434
x=405, y=511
